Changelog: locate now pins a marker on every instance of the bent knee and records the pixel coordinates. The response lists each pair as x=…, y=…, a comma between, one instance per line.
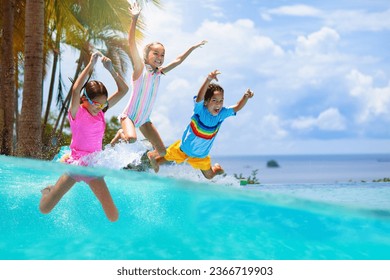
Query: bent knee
x=160, y=149
x=129, y=138
x=162, y=152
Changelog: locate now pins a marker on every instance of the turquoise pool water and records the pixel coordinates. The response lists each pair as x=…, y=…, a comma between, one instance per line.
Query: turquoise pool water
x=188, y=218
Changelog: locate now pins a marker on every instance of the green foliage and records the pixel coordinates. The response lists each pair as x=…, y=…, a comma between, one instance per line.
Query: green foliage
x=52, y=143
x=272, y=163
x=251, y=180
x=111, y=129
x=385, y=180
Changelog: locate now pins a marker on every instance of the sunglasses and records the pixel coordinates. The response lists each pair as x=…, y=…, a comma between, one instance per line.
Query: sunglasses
x=103, y=107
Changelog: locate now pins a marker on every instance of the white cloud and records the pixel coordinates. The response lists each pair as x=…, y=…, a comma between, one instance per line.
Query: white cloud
x=240, y=46
x=374, y=101
x=162, y=22
x=315, y=60
x=345, y=20
x=296, y=10
x=331, y=120
x=328, y=120
x=179, y=85
x=173, y=108
x=323, y=41
x=303, y=123
x=215, y=9
x=266, y=17
x=271, y=127
x=342, y=20
x=169, y=130
x=236, y=43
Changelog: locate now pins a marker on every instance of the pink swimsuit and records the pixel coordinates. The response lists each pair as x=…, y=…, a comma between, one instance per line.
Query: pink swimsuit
x=87, y=135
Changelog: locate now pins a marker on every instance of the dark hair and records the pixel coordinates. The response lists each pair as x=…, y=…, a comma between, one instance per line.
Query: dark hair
x=210, y=91
x=95, y=89
x=147, y=48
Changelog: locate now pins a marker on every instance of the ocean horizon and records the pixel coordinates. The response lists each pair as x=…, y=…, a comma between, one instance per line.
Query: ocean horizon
x=308, y=168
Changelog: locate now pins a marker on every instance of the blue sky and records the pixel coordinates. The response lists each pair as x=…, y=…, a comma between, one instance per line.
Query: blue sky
x=319, y=70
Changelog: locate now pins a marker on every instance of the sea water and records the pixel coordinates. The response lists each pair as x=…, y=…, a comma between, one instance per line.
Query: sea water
x=177, y=214
x=310, y=168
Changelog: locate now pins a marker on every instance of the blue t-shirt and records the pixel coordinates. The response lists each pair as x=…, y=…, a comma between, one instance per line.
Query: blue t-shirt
x=199, y=135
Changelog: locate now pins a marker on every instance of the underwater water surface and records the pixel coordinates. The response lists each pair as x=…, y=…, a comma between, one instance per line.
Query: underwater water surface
x=176, y=214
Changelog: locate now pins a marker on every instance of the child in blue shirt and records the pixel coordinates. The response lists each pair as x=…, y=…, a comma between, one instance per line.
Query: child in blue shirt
x=198, y=138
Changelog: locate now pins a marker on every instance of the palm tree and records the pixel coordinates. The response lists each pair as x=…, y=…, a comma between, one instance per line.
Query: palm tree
x=18, y=49
x=7, y=78
x=80, y=24
x=59, y=17
x=106, y=32
x=12, y=41
x=29, y=142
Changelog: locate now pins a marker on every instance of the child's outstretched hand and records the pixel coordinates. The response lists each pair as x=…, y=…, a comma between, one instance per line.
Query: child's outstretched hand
x=200, y=44
x=107, y=63
x=134, y=9
x=94, y=57
x=249, y=94
x=213, y=75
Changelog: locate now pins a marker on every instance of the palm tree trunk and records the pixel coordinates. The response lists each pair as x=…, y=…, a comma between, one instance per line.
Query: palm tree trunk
x=56, y=135
x=30, y=125
x=64, y=115
x=65, y=104
x=7, y=103
x=16, y=94
x=56, y=53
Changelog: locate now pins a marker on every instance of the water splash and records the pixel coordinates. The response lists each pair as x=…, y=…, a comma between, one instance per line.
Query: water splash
x=122, y=154
x=119, y=156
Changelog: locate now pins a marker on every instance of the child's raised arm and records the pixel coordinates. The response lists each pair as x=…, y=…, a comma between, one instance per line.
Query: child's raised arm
x=203, y=88
x=79, y=83
x=120, y=82
x=240, y=104
x=181, y=57
x=135, y=58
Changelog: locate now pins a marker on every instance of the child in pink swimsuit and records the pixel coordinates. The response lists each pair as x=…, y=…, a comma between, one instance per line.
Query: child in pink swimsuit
x=146, y=79
x=87, y=125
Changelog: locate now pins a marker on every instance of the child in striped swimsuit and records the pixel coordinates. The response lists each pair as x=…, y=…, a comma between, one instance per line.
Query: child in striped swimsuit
x=198, y=138
x=146, y=79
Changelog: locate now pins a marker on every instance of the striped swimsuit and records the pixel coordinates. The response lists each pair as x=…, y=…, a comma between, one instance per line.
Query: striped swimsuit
x=142, y=98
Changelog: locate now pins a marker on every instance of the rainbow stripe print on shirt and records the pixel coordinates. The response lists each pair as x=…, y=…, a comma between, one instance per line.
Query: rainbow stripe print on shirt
x=203, y=131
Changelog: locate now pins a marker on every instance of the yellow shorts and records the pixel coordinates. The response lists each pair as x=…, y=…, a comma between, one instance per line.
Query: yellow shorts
x=174, y=153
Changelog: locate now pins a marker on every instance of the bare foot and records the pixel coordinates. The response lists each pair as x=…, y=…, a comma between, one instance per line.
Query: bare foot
x=153, y=161
x=217, y=169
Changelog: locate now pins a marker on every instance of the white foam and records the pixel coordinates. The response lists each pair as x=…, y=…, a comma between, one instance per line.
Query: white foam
x=122, y=154
x=119, y=156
